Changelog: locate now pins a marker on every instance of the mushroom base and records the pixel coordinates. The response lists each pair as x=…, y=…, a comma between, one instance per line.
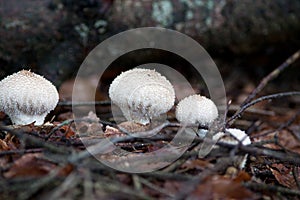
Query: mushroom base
x=23, y=119
x=143, y=117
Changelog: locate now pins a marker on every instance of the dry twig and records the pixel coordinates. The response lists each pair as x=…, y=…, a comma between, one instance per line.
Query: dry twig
x=272, y=76
x=263, y=98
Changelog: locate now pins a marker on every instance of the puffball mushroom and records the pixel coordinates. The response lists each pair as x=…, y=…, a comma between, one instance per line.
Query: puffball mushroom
x=234, y=136
x=27, y=97
x=142, y=94
x=196, y=110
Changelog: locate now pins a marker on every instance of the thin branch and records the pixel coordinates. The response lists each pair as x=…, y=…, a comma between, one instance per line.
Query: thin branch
x=66, y=122
x=162, y=175
x=260, y=99
x=70, y=121
x=36, y=141
x=272, y=76
x=156, y=188
x=271, y=188
x=295, y=175
x=292, y=158
x=191, y=185
x=23, y=151
x=39, y=185
x=282, y=126
x=255, y=111
x=118, y=188
x=68, y=185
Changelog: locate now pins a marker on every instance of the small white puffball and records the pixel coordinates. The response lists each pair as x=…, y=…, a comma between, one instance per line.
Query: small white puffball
x=238, y=134
x=142, y=94
x=196, y=110
x=235, y=136
x=27, y=97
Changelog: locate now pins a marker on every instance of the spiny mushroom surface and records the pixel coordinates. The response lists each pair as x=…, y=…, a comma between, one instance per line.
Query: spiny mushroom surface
x=196, y=110
x=234, y=136
x=142, y=94
x=27, y=97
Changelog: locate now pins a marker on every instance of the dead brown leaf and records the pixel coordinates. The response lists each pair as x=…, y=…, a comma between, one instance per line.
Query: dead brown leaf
x=2, y=115
x=284, y=175
x=3, y=146
x=289, y=141
x=67, y=131
x=30, y=165
x=10, y=142
x=132, y=127
x=90, y=125
x=172, y=186
x=242, y=176
x=66, y=170
x=113, y=132
x=196, y=164
x=219, y=187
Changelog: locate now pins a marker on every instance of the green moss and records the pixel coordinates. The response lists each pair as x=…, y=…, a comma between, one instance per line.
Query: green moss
x=15, y=23
x=100, y=25
x=162, y=12
x=210, y=4
x=83, y=31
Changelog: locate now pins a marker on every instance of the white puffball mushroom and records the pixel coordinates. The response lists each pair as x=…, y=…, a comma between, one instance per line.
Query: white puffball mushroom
x=196, y=110
x=27, y=97
x=235, y=136
x=142, y=94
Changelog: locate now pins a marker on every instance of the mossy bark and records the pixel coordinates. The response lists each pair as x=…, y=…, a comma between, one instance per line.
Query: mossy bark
x=53, y=37
x=240, y=26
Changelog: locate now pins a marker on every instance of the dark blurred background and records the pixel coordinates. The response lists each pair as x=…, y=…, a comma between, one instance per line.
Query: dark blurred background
x=247, y=39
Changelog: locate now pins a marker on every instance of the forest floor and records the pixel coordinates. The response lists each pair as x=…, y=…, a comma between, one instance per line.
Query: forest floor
x=52, y=162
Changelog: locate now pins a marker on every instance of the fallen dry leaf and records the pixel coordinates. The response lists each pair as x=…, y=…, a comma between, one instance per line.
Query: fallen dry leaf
x=242, y=176
x=113, y=132
x=219, y=187
x=90, y=125
x=66, y=131
x=196, y=164
x=132, y=127
x=30, y=165
x=289, y=141
x=2, y=115
x=265, y=135
x=3, y=146
x=172, y=186
x=66, y=170
x=284, y=175
x=10, y=142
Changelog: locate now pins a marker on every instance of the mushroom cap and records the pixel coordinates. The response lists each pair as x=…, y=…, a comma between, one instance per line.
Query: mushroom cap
x=196, y=110
x=27, y=97
x=142, y=94
x=240, y=135
x=237, y=134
